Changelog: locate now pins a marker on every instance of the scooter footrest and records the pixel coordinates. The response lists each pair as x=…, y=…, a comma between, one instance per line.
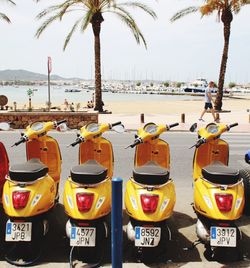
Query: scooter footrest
x=28, y=171
x=90, y=172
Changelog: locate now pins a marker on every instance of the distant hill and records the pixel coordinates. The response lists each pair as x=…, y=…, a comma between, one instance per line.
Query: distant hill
x=24, y=75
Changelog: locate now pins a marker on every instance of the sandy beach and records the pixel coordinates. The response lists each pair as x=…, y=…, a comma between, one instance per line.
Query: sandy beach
x=168, y=112
x=172, y=107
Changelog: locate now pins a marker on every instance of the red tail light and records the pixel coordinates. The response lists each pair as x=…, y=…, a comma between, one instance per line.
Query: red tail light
x=84, y=201
x=224, y=202
x=149, y=202
x=20, y=199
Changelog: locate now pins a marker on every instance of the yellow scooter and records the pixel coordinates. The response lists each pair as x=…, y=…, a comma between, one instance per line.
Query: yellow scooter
x=4, y=159
x=218, y=194
x=150, y=192
x=87, y=192
x=30, y=192
x=4, y=169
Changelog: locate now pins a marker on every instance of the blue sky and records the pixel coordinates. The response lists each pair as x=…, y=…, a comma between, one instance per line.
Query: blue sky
x=183, y=51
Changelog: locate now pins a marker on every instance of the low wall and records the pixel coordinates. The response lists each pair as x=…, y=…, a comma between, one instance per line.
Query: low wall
x=20, y=120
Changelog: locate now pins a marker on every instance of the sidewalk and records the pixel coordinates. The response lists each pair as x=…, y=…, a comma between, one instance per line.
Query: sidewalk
x=133, y=121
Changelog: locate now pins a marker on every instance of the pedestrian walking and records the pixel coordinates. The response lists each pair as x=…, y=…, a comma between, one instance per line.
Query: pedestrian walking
x=208, y=101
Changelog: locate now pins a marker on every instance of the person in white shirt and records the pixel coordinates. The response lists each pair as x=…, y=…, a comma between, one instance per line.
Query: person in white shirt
x=208, y=101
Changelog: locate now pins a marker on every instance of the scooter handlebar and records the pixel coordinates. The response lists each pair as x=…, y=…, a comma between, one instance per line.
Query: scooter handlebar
x=199, y=143
x=78, y=140
x=233, y=125
x=61, y=121
x=173, y=125
x=136, y=142
x=22, y=140
x=115, y=124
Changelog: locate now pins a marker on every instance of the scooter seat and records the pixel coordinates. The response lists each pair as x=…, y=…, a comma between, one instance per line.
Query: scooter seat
x=219, y=173
x=90, y=172
x=31, y=170
x=151, y=174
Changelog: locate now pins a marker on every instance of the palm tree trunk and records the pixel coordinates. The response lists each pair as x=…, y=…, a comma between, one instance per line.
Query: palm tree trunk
x=96, y=26
x=223, y=66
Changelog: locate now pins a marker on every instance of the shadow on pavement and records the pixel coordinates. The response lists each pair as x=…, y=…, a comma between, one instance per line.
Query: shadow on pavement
x=56, y=246
x=174, y=251
x=182, y=226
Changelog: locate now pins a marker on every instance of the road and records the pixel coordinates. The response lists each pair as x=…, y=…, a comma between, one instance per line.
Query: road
x=182, y=223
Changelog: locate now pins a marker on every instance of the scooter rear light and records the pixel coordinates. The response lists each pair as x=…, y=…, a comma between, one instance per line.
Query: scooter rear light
x=224, y=202
x=223, y=224
x=84, y=201
x=149, y=202
x=84, y=224
x=20, y=199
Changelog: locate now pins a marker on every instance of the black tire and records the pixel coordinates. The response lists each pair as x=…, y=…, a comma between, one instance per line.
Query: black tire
x=150, y=255
x=245, y=175
x=94, y=255
x=27, y=253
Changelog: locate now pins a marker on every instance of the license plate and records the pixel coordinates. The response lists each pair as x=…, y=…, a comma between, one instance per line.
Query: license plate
x=223, y=236
x=147, y=236
x=82, y=236
x=18, y=231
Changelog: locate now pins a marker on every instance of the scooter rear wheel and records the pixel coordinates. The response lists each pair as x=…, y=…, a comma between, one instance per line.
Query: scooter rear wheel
x=27, y=253
x=245, y=174
x=153, y=254
x=93, y=255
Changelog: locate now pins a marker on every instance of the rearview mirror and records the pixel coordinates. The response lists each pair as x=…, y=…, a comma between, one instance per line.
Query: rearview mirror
x=4, y=126
x=62, y=127
x=119, y=128
x=193, y=127
x=247, y=157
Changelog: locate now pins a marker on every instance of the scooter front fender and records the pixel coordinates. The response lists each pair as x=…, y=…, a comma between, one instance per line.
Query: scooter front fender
x=165, y=205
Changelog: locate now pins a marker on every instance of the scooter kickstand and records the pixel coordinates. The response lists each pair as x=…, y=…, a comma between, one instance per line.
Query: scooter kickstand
x=194, y=244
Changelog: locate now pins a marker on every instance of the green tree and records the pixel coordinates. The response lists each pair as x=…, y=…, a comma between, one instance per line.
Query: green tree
x=3, y=16
x=178, y=84
x=231, y=84
x=225, y=10
x=92, y=13
x=166, y=84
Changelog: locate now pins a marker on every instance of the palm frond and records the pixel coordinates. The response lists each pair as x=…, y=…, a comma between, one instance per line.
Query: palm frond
x=130, y=22
x=184, y=12
x=4, y=17
x=144, y=7
x=71, y=33
x=47, y=11
x=86, y=20
x=12, y=2
x=46, y=24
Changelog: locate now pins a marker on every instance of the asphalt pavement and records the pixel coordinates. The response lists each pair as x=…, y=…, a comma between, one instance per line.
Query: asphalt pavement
x=182, y=222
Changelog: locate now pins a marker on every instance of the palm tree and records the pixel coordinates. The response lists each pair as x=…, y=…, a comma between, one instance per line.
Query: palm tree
x=3, y=16
x=225, y=10
x=92, y=13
